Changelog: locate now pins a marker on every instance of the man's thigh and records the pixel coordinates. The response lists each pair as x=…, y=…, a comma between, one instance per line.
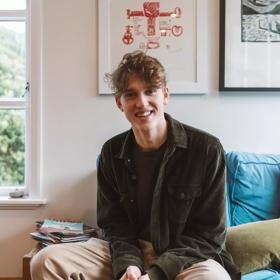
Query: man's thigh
x=206, y=270
x=79, y=261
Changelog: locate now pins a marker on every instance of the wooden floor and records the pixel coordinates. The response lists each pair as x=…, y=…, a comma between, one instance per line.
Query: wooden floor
x=10, y=278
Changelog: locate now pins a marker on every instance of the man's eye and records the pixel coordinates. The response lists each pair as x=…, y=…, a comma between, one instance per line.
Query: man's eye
x=128, y=94
x=150, y=91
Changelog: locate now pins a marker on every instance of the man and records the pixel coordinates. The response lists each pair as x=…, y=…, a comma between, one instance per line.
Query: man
x=161, y=194
x=161, y=185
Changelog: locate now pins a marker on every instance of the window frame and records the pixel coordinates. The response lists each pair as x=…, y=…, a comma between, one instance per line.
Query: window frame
x=31, y=103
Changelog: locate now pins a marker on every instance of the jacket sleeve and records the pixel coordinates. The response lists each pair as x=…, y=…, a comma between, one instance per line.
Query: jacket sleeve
x=204, y=234
x=113, y=220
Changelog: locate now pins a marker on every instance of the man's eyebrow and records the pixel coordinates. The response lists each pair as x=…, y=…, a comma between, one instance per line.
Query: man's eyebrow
x=147, y=87
x=128, y=90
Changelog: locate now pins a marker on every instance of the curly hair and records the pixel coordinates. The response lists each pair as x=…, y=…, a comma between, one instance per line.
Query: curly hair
x=140, y=64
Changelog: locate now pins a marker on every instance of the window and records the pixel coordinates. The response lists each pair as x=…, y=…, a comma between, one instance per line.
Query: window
x=20, y=88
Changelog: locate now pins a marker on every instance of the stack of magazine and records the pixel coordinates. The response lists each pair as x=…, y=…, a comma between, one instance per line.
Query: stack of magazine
x=53, y=232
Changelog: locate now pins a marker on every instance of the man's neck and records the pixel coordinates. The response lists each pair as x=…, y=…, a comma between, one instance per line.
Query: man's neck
x=151, y=139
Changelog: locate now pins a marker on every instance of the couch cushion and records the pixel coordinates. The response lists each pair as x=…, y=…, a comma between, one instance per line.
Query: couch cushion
x=265, y=274
x=253, y=187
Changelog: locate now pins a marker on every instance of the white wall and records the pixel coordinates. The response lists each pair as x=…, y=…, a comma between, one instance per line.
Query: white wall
x=77, y=121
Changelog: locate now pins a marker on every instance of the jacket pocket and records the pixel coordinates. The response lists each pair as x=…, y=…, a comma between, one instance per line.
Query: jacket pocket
x=180, y=200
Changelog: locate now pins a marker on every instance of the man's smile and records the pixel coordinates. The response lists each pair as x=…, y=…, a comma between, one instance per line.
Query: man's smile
x=144, y=114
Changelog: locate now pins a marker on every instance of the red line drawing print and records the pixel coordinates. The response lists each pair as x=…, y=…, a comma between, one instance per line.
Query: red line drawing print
x=175, y=14
x=177, y=30
x=159, y=25
x=153, y=45
x=127, y=37
x=151, y=12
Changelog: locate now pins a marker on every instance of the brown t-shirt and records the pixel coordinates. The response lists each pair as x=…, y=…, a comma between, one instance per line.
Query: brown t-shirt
x=147, y=165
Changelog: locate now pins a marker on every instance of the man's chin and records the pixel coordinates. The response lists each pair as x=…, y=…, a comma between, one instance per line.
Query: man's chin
x=144, y=126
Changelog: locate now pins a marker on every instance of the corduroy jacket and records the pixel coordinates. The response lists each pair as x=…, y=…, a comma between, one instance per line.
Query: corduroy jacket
x=188, y=221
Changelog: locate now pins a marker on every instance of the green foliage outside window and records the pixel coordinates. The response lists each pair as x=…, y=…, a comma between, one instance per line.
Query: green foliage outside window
x=12, y=65
x=11, y=147
x=12, y=122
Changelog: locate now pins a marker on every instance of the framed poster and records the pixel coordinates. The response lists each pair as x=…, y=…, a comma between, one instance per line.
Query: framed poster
x=250, y=45
x=173, y=31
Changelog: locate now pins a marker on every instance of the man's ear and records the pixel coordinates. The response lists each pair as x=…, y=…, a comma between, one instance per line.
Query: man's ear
x=166, y=95
x=118, y=102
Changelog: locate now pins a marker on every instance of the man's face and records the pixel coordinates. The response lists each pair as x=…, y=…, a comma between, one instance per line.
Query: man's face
x=142, y=104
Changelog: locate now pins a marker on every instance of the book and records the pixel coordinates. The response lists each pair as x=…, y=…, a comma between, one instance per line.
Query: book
x=50, y=232
x=61, y=226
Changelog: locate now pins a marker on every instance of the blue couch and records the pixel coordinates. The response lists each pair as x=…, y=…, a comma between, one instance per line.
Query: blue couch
x=253, y=194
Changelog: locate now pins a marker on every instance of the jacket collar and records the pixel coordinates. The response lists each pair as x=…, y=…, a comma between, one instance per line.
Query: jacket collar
x=177, y=134
x=177, y=137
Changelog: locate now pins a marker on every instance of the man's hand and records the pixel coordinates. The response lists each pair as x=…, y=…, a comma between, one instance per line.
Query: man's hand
x=144, y=277
x=132, y=273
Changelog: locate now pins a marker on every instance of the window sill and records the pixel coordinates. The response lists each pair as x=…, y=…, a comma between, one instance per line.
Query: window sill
x=27, y=203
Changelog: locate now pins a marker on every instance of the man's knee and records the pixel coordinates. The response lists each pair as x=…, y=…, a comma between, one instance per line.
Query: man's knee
x=43, y=260
x=206, y=270
x=212, y=270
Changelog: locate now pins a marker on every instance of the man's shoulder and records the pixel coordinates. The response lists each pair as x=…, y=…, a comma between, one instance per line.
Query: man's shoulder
x=200, y=133
x=184, y=132
x=203, y=143
x=200, y=137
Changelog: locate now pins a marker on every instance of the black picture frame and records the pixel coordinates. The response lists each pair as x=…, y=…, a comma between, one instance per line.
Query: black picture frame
x=249, y=46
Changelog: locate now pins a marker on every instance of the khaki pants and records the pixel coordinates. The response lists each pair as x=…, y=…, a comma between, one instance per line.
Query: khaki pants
x=91, y=260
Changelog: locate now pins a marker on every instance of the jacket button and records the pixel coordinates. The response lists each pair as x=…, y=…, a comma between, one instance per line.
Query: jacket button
x=182, y=195
x=131, y=201
x=133, y=177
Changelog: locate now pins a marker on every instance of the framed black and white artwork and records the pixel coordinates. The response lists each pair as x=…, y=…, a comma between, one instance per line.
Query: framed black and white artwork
x=250, y=45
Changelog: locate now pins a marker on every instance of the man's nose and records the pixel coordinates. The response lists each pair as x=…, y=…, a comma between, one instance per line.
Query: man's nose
x=141, y=100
